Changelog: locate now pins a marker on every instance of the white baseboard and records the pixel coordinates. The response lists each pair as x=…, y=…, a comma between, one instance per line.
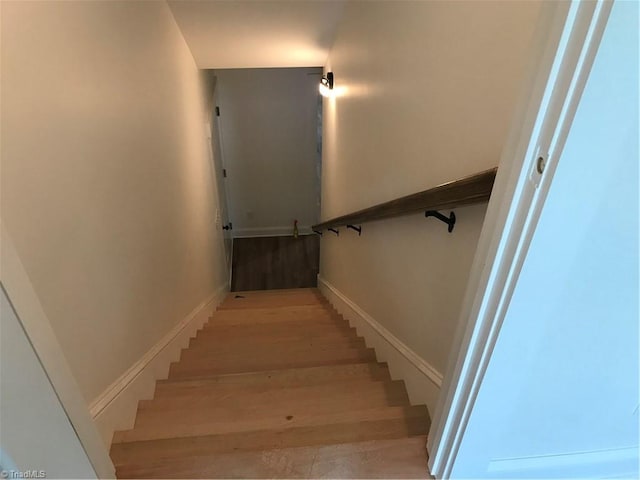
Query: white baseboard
x=116, y=407
x=422, y=380
x=270, y=231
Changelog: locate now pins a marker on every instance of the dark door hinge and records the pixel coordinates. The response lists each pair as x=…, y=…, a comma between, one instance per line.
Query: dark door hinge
x=224, y=172
x=217, y=111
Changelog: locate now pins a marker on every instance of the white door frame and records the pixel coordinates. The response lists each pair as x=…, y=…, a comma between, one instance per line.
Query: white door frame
x=40, y=334
x=565, y=45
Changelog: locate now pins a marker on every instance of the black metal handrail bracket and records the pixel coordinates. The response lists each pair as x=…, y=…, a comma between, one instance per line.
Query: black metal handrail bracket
x=450, y=220
x=357, y=229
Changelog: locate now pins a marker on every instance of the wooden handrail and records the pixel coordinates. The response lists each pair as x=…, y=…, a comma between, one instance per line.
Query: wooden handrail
x=458, y=193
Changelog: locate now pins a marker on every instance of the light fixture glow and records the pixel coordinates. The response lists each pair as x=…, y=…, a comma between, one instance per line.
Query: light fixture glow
x=326, y=85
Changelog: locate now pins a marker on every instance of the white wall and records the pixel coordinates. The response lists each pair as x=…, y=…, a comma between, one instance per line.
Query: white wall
x=269, y=135
x=560, y=395
x=425, y=93
x=106, y=184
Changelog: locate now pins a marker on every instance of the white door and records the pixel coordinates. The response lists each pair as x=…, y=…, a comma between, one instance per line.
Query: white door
x=217, y=158
x=268, y=126
x=558, y=394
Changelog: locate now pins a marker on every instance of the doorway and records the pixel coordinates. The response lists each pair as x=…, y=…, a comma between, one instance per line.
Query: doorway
x=269, y=130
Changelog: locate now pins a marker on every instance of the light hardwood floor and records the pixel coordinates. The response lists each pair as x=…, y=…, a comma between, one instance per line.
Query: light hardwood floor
x=276, y=385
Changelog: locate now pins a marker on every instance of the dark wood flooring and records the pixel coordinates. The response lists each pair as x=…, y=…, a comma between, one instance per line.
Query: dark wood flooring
x=270, y=263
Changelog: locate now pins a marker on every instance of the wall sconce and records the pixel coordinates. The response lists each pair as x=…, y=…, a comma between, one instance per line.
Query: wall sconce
x=326, y=85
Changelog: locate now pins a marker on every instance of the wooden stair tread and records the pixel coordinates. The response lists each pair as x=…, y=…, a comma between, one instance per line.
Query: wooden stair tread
x=262, y=404
x=179, y=447
x=274, y=335
x=282, y=324
x=385, y=458
x=275, y=292
x=241, y=300
x=292, y=333
x=272, y=330
x=215, y=338
x=267, y=361
x=205, y=388
x=277, y=349
x=242, y=398
x=288, y=377
x=200, y=349
x=283, y=295
x=148, y=450
x=175, y=424
x=251, y=317
x=275, y=385
x=280, y=346
x=267, y=315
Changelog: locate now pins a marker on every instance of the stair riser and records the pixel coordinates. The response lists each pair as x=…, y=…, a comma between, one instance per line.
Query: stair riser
x=207, y=367
x=274, y=328
x=265, y=348
x=208, y=354
x=286, y=378
x=169, y=391
x=279, y=328
x=177, y=426
x=130, y=454
x=341, y=395
x=285, y=337
x=266, y=302
x=256, y=317
x=396, y=458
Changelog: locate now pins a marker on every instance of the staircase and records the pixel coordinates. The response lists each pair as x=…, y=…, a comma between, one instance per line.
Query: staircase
x=275, y=385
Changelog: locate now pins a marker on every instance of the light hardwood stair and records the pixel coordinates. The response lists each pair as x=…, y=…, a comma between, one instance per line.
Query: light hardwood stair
x=275, y=385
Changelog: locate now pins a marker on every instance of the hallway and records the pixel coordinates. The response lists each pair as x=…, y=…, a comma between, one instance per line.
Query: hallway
x=273, y=263
x=276, y=385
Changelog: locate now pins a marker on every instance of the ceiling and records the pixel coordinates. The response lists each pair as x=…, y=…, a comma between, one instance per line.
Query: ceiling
x=257, y=34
